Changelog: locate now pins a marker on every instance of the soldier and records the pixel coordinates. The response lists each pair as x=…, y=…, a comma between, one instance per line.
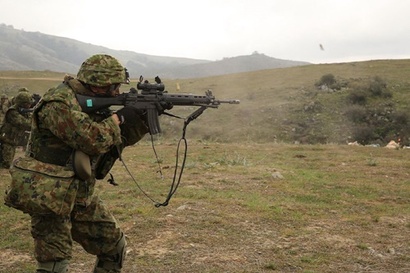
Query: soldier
x=17, y=120
x=65, y=138
x=21, y=89
x=23, y=137
x=4, y=106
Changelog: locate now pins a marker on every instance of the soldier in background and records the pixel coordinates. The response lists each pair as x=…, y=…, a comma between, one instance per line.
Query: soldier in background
x=4, y=106
x=23, y=137
x=21, y=89
x=16, y=122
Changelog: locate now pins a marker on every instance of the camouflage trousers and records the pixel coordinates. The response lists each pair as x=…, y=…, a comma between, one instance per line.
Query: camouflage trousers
x=7, y=155
x=93, y=227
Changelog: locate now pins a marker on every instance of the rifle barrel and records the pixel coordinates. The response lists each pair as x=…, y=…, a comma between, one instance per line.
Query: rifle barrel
x=229, y=101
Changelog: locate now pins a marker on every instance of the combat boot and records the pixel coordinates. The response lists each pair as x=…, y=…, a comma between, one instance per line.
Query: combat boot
x=112, y=263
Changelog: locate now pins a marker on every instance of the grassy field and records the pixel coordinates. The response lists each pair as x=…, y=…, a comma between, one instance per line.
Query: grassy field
x=248, y=207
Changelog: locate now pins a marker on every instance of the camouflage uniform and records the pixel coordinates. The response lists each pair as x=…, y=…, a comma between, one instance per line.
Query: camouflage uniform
x=16, y=122
x=59, y=129
x=4, y=106
x=23, y=137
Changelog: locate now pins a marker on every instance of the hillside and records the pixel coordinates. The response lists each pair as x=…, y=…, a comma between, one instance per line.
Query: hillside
x=285, y=105
x=24, y=50
x=232, y=65
x=279, y=105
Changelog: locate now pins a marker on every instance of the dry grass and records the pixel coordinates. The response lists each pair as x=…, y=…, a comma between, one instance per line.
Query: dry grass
x=336, y=209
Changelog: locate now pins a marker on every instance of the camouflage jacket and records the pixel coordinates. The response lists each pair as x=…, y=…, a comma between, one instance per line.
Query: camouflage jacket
x=60, y=127
x=16, y=123
x=3, y=110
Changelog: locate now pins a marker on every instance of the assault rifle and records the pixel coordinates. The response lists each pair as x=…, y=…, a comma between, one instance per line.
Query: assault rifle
x=153, y=99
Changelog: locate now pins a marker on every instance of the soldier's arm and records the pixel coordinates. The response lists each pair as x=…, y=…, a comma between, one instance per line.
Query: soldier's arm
x=18, y=120
x=78, y=130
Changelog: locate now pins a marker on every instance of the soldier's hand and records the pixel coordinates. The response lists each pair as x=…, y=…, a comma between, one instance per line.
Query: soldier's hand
x=127, y=115
x=132, y=125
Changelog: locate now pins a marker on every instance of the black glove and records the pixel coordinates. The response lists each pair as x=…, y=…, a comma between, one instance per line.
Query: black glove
x=132, y=125
x=128, y=115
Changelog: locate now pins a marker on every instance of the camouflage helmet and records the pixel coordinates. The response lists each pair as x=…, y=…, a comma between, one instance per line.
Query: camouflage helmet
x=102, y=70
x=4, y=96
x=23, y=89
x=23, y=98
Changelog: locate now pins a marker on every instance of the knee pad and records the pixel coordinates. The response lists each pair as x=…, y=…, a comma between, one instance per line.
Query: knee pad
x=53, y=267
x=114, y=262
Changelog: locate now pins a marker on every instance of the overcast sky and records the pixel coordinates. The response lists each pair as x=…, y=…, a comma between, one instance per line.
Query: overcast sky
x=348, y=30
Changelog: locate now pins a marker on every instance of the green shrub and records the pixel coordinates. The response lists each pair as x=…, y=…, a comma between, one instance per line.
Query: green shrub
x=356, y=114
x=377, y=86
x=400, y=119
x=363, y=134
x=358, y=97
x=328, y=80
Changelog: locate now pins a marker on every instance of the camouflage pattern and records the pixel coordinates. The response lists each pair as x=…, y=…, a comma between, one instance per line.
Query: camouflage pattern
x=60, y=127
x=70, y=129
x=60, y=266
x=102, y=70
x=23, y=102
x=5, y=104
x=93, y=227
x=23, y=98
x=23, y=89
x=15, y=125
x=41, y=188
x=7, y=155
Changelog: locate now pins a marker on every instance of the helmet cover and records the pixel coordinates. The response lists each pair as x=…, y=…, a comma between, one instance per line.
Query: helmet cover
x=102, y=70
x=23, y=98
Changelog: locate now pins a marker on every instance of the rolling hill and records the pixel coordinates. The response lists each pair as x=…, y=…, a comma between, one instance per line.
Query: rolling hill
x=24, y=50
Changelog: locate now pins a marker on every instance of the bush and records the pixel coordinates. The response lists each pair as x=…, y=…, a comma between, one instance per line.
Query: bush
x=401, y=119
x=363, y=134
x=356, y=114
x=357, y=97
x=328, y=80
x=377, y=86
